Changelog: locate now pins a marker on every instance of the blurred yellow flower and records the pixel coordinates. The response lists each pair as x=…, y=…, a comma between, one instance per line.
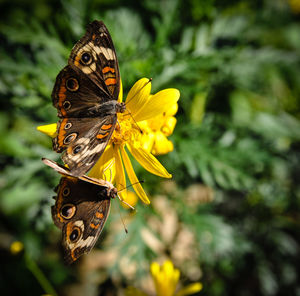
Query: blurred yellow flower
x=166, y=278
x=143, y=130
x=16, y=247
x=295, y=6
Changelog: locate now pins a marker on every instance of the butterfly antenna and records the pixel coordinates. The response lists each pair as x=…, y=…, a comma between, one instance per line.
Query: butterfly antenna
x=125, y=228
x=138, y=182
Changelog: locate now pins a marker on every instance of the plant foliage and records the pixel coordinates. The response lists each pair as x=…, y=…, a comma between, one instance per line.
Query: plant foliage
x=230, y=216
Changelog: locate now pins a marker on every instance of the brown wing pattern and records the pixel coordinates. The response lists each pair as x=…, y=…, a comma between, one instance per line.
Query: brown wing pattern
x=85, y=95
x=82, y=141
x=94, y=55
x=80, y=210
x=74, y=94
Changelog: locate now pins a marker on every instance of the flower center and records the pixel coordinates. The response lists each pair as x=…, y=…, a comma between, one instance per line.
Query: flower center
x=126, y=130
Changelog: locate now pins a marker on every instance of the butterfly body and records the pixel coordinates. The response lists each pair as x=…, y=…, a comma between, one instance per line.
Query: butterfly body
x=86, y=97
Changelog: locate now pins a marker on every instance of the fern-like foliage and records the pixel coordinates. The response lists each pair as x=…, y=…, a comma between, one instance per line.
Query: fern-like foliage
x=230, y=215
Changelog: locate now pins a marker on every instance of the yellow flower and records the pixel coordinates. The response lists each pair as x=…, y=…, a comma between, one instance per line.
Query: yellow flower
x=142, y=129
x=131, y=132
x=16, y=247
x=157, y=129
x=295, y=6
x=166, y=278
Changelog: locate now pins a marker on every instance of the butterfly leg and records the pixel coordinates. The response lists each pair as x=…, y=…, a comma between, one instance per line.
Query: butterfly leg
x=126, y=203
x=118, y=123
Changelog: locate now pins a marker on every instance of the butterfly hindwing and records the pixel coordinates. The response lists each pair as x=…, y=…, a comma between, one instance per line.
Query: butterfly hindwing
x=80, y=211
x=82, y=141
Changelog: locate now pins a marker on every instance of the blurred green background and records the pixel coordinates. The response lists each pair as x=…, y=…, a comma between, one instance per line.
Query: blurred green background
x=230, y=216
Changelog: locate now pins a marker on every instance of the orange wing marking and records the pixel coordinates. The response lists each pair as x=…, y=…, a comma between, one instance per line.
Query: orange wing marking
x=73, y=255
x=61, y=133
x=110, y=81
x=94, y=226
x=62, y=96
x=99, y=215
x=76, y=61
x=102, y=136
x=108, y=69
x=106, y=126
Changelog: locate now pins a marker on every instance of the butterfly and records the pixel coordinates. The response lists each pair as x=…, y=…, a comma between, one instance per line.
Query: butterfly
x=86, y=97
x=81, y=209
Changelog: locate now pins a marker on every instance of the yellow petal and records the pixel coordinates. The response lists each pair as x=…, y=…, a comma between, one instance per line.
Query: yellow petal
x=157, y=104
x=154, y=269
x=149, y=162
x=48, y=129
x=158, y=278
x=171, y=273
x=161, y=144
x=138, y=95
x=147, y=141
x=168, y=268
x=169, y=125
x=105, y=167
x=172, y=111
x=120, y=97
x=120, y=175
x=165, y=278
x=133, y=179
x=155, y=123
x=190, y=289
x=144, y=126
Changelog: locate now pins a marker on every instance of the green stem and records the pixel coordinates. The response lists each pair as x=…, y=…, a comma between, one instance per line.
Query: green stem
x=39, y=275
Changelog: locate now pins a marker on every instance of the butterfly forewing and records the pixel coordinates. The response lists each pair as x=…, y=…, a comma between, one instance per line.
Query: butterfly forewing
x=94, y=55
x=74, y=94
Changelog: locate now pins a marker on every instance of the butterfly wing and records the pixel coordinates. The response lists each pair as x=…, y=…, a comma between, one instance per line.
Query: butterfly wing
x=95, y=56
x=81, y=210
x=92, y=76
x=75, y=95
x=82, y=141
